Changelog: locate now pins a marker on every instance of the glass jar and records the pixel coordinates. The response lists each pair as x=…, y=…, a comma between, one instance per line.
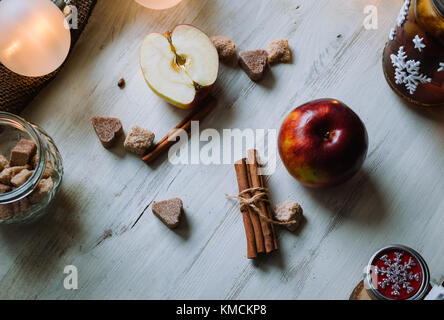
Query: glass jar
x=22, y=202
x=397, y=272
x=413, y=58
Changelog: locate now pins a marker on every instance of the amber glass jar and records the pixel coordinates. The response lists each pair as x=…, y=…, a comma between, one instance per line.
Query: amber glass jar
x=413, y=58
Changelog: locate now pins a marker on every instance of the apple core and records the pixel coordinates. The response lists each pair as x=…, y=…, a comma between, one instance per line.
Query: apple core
x=180, y=66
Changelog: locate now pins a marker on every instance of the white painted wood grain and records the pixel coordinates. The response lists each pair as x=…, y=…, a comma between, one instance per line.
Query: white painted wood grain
x=396, y=198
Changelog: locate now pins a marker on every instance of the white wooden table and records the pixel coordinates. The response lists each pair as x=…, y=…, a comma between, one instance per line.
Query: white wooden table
x=396, y=198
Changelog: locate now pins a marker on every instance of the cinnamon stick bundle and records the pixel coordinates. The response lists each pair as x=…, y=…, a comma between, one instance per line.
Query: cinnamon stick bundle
x=166, y=142
x=261, y=235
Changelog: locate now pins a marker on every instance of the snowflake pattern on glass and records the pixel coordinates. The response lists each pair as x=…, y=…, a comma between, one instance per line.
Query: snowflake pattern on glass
x=398, y=275
x=407, y=72
x=403, y=13
x=392, y=35
x=441, y=67
x=419, y=44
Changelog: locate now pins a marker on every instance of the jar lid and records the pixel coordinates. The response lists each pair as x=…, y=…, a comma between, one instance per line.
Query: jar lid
x=397, y=272
x=439, y=6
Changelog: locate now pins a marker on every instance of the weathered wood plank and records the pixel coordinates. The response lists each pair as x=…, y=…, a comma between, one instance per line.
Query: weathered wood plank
x=396, y=198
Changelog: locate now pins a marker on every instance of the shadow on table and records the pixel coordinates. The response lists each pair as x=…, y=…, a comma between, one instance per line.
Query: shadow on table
x=184, y=229
x=275, y=259
x=42, y=244
x=434, y=116
x=358, y=200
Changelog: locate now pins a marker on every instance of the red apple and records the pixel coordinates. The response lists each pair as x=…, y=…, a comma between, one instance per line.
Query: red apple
x=323, y=143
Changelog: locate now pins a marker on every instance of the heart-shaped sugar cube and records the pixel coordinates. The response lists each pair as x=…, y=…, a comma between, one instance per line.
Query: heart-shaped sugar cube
x=107, y=129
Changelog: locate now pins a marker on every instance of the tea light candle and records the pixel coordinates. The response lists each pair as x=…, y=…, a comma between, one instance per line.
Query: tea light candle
x=33, y=38
x=158, y=4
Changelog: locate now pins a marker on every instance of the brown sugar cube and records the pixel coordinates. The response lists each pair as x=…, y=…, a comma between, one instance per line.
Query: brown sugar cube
x=21, y=177
x=139, y=140
x=15, y=208
x=20, y=206
x=4, y=163
x=43, y=188
x=34, y=161
x=24, y=204
x=22, y=153
x=6, y=211
x=279, y=51
x=18, y=169
x=254, y=63
x=4, y=188
x=169, y=212
x=49, y=169
x=289, y=211
x=6, y=176
x=224, y=46
x=107, y=129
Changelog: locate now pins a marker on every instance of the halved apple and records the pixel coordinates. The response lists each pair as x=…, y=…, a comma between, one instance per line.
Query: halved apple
x=180, y=66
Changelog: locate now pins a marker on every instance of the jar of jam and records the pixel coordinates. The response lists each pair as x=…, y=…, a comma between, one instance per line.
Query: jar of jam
x=30, y=170
x=397, y=273
x=413, y=58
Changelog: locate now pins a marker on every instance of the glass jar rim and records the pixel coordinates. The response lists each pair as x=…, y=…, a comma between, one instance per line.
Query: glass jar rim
x=25, y=189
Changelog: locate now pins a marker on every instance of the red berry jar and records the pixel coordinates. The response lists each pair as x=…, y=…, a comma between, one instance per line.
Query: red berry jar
x=397, y=273
x=413, y=58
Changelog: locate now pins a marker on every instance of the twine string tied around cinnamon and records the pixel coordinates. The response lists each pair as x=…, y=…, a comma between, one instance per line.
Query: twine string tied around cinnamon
x=262, y=196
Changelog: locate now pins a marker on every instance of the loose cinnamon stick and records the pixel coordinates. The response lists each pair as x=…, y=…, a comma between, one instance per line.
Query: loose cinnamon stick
x=180, y=125
x=257, y=183
x=242, y=181
x=166, y=142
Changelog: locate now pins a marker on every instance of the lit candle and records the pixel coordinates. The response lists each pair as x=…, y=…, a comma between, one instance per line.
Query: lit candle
x=33, y=38
x=158, y=4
